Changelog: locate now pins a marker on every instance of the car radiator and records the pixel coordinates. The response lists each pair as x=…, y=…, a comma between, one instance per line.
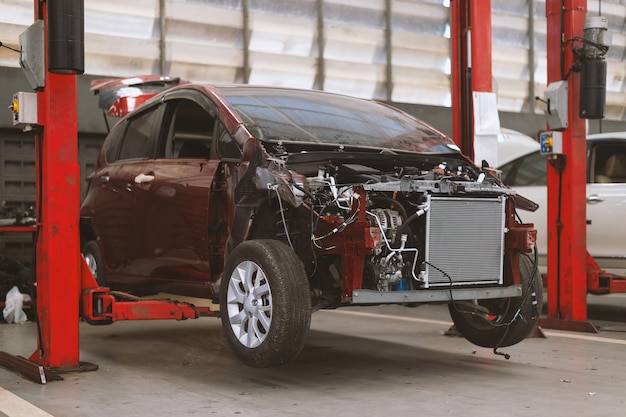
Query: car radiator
x=464, y=241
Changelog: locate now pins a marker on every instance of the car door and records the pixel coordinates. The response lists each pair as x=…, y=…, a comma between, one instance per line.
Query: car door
x=111, y=204
x=174, y=225
x=606, y=201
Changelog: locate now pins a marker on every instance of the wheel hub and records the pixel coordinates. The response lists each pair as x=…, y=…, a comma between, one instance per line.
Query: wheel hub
x=250, y=304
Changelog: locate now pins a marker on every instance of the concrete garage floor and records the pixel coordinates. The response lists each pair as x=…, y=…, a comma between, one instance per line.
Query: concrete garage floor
x=374, y=361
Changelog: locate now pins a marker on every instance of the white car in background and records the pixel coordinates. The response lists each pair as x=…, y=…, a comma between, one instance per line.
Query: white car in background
x=524, y=169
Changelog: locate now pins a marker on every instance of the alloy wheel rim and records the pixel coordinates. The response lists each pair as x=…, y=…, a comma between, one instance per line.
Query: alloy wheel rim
x=249, y=304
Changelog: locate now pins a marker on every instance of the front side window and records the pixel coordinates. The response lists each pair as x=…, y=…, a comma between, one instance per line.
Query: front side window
x=140, y=139
x=227, y=148
x=190, y=130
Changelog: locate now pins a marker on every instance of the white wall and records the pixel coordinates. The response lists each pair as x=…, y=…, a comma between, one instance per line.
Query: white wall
x=204, y=40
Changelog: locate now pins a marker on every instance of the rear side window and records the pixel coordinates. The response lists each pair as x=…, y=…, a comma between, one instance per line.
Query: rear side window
x=140, y=141
x=113, y=142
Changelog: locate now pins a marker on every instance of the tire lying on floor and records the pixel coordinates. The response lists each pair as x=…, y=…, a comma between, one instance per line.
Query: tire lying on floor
x=485, y=323
x=265, y=303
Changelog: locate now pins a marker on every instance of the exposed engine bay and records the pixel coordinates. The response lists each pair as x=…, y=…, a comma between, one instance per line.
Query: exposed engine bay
x=401, y=223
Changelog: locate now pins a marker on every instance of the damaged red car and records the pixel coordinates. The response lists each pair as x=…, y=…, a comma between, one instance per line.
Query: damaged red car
x=279, y=202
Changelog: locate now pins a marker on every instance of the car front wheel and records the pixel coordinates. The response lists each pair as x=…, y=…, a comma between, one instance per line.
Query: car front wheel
x=265, y=303
x=506, y=321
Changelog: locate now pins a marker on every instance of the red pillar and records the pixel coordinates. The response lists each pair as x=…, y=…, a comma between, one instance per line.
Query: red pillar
x=480, y=21
x=459, y=71
x=470, y=37
x=58, y=242
x=567, y=275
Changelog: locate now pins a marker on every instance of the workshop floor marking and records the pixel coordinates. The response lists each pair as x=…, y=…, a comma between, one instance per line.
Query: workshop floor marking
x=568, y=335
x=13, y=406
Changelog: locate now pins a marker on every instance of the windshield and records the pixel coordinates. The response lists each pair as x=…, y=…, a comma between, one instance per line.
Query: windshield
x=313, y=116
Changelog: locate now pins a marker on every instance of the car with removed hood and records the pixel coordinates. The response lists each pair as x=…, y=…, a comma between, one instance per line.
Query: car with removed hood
x=278, y=202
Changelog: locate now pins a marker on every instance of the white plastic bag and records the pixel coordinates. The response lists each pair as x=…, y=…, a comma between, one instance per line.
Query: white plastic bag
x=13, y=312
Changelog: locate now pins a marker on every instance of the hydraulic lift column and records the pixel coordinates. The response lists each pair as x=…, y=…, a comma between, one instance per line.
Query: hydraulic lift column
x=51, y=54
x=566, y=177
x=471, y=72
x=58, y=184
x=470, y=37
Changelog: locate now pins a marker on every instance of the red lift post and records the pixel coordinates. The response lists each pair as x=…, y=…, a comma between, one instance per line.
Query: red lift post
x=567, y=256
x=572, y=272
x=470, y=34
x=58, y=187
x=57, y=203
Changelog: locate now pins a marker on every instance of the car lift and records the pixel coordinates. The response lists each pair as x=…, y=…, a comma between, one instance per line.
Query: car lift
x=66, y=289
x=572, y=272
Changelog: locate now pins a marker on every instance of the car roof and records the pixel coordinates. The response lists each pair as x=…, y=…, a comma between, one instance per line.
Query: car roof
x=609, y=135
x=513, y=144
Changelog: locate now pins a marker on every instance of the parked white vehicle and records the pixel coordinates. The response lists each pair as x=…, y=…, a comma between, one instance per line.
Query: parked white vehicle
x=524, y=169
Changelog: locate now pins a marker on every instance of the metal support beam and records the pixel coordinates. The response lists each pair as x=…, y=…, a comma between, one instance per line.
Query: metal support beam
x=470, y=24
x=461, y=73
x=434, y=295
x=31, y=370
x=567, y=260
x=246, y=40
x=162, y=39
x=388, y=52
x=321, y=61
x=57, y=246
x=531, y=56
x=480, y=26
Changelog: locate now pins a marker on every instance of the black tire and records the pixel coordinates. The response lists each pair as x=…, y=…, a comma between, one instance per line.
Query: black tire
x=265, y=303
x=486, y=322
x=91, y=252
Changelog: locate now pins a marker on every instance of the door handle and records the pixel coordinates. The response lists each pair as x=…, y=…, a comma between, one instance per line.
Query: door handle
x=144, y=178
x=594, y=199
x=104, y=179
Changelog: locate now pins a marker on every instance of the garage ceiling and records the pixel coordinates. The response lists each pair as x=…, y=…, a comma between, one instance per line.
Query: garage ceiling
x=403, y=57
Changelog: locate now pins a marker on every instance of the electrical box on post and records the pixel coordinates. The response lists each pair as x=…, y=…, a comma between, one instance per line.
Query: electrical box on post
x=551, y=143
x=32, y=55
x=555, y=99
x=24, y=108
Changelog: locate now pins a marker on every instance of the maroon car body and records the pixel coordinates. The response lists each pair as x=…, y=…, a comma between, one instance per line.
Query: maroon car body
x=278, y=202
